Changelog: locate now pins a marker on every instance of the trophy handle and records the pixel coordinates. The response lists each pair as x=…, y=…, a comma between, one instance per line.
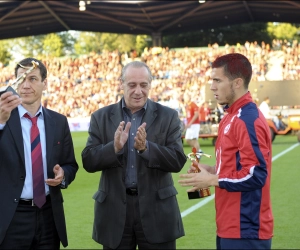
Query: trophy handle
x=14, y=86
x=22, y=77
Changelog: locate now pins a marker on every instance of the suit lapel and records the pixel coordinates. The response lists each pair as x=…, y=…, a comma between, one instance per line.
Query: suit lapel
x=14, y=125
x=116, y=115
x=150, y=114
x=50, y=126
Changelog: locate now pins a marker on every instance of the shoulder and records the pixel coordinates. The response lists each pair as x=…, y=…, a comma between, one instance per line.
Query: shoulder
x=53, y=114
x=107, y=109
x=249, y=114
x=160, y=108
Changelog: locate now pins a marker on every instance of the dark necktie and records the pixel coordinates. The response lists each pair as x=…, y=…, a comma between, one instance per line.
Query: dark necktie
x=39, y=197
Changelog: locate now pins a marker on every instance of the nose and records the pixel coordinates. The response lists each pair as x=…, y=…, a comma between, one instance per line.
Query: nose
x=212, y=86
x=138, y=89
x=25, y=83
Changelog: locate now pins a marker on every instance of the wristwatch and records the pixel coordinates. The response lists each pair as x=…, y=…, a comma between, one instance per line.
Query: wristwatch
x=142, y=151
x=63, y=183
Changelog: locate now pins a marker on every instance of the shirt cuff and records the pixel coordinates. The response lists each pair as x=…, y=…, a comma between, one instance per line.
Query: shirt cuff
x=2, y=126
x=145, y=154
x=63, y=183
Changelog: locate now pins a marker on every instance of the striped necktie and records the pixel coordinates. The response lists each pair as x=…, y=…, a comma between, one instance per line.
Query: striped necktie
x=39, y=197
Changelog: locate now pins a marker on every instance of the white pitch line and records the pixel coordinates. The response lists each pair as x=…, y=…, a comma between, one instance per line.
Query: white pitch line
x=285, y=151
x=209, y=198
x=198, y=205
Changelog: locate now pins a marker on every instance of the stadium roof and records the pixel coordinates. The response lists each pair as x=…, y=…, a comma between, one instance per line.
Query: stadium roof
x=25, y=18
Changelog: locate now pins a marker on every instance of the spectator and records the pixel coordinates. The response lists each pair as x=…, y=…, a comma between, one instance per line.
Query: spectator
x=192, y=126
x=265, y=109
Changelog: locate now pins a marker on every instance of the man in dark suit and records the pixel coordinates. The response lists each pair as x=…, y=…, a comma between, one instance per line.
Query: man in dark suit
x=33, y=169
x=136, y=143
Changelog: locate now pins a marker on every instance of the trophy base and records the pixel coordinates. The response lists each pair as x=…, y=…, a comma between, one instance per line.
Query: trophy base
x=6, y=89
x=201, y=193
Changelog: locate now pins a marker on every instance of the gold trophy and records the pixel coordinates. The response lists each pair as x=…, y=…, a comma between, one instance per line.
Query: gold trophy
x=195, y=158
x=14, y=86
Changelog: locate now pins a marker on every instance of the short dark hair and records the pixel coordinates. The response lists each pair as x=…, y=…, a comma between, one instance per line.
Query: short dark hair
x=235, y=66
x=27, y=62
x=135, y=64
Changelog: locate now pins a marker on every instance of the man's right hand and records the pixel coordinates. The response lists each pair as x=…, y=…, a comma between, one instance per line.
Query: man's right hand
x=8, y=102
x=121, y=136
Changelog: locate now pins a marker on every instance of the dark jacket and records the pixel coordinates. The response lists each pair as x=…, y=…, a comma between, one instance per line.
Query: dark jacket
x=159, y=211
x=59, y=148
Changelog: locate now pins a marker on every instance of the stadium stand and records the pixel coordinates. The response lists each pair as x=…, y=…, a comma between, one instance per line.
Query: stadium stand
x=79, y=86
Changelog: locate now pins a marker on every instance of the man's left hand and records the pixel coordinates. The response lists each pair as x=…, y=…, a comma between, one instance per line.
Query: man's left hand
x=59, y=176
x=140, y=138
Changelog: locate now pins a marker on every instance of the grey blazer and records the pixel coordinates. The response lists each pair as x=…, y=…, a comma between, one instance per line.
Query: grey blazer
x=160, y=215
x=60, y=151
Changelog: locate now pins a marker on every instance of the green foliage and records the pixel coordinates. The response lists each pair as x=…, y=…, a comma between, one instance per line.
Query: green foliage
x=52, y=45
x=109, y=41
x=199, y=225
x=77, y=43
x=283, y=31
x=68, y=39
x=142, y=41
x=125, y=42
x=87, y=42
x=96, y=42
x=233, y=34
x=30, y=46
x=5, y=55
x=230, y=34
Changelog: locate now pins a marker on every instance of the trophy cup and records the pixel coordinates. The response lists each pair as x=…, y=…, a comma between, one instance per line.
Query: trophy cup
x=14, y=86
x=195, y=158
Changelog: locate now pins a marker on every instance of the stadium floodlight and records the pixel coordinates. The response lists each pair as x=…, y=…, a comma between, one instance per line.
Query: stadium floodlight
x=82, y=5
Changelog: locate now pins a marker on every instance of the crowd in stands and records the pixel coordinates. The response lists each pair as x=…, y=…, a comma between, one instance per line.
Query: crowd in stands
x=79, y=86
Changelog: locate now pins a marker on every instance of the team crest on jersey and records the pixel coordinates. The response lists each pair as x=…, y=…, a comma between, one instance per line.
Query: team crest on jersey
x=227, y=128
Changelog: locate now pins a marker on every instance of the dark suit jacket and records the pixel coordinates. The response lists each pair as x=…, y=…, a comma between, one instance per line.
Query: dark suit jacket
x=59, y=147
x=159, y=209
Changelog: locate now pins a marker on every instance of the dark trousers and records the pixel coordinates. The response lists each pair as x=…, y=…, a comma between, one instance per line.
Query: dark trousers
x=133, y=234
x=224, y=243
x=32, y=228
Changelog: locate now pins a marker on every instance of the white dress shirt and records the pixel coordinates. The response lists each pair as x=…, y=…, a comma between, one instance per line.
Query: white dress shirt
x=27, y=192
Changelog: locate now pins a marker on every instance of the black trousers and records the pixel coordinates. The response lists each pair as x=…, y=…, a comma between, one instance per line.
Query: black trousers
x=133, y=234
x=32, y=228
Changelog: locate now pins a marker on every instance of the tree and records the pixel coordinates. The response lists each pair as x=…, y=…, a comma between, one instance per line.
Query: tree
x=88, y=42
x=142, y=41
x=68, y=39
x=283, y=31
x=5, y=55
x=230, y=34
x=30, y=46
x=53, y=45
x=96, y=42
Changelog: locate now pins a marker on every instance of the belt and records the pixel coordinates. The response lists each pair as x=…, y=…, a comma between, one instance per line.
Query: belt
x=132, y=191
x=29, y=202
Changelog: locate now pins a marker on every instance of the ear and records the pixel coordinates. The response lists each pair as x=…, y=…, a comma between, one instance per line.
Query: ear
x=45, y=82
x=121, y=85
x=239, y=83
